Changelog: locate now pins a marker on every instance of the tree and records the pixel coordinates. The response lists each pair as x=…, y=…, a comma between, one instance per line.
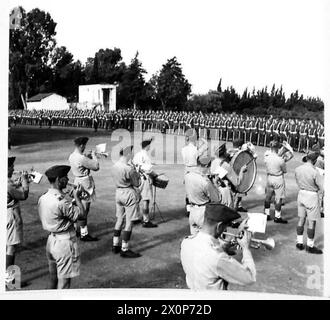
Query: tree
x=172, y=87
x=30, y=50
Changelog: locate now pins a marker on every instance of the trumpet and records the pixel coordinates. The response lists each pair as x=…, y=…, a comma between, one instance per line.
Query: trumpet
x=98, y=154
x=269, y=243
x=31, y=175
x=84, y=194
x=286, y=151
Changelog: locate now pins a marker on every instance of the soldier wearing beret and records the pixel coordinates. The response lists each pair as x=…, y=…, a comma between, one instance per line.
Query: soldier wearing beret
x=127, y=180
x=275, y=169
x=81, y=166
x=310, y=183
x=58, y=215
x=143, y=164
x=15, y=192
x=204, y=258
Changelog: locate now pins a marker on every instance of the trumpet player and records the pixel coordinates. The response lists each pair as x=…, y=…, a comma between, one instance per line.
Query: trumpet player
x=81, y=166
x=143, y=162
x=15, y=193
x=204, y=258
x=127, y=180
x=310, y=183
x=58, y=215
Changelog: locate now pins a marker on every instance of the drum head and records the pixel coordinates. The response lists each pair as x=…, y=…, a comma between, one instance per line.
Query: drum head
x=241, y=158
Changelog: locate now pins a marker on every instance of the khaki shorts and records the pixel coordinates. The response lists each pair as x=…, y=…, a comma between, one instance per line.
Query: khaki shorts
x=276, y=184
x=14, y=226
x=62, y=251
x=196, y=218
x=89, y=186
x=308, y=205
x=146, y=189
x=127, y=202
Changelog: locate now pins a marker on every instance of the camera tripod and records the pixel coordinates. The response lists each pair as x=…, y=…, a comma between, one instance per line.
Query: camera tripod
x=155, y=205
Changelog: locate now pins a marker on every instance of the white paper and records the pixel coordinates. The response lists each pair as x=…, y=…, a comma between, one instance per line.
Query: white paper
x=221, y=172
x=100, y=147
x=37, y=176
x=257, y=222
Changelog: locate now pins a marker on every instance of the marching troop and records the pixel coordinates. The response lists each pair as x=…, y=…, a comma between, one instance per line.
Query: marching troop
x=212, y=190
x=300, y=134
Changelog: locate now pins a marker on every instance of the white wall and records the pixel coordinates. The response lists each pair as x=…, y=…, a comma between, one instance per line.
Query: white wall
x=52, y=102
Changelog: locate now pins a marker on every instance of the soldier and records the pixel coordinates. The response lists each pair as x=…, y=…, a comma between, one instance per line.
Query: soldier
x=320, y=135
x=81, y=165
x=58, y=216
x=229, y=126
x=311, y=134
x=293, y=134
x=200, y=191
x=275, y=169
x=126, y=180
x=16, y=191
x=204, y=258
x=143, y=164
x=310, y=183
x=303, y=129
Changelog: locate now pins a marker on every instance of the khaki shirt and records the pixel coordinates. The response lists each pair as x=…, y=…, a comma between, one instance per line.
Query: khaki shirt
x=320, y=162
x=199, y=189
x=207, y=266
x=143, y=160
x=82, y=165
x=308, y=178
x=125, y=175
x=189, y=155
x=56, y=213
x=275, y=165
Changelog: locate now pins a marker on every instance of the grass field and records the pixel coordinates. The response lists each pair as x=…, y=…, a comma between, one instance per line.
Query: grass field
x=282, y=270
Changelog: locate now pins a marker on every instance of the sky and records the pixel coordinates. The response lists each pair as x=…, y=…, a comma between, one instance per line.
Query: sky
x=247, y=43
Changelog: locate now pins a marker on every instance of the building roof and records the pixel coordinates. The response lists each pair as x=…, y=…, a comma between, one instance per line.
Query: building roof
x=39, y=97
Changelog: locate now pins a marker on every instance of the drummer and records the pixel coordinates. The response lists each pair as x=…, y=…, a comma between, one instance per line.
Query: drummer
x=143, y=164
x=225, y=177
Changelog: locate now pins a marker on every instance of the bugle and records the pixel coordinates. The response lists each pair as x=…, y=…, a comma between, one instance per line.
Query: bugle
x=33, y=176
x=269, y=243
x=98, y=154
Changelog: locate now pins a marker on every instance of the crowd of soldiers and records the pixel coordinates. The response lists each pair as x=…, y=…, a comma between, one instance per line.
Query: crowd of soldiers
x=300, y=134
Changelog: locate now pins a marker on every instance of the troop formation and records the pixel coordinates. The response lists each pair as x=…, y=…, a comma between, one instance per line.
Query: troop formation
x=301, y=134
x=213, y=191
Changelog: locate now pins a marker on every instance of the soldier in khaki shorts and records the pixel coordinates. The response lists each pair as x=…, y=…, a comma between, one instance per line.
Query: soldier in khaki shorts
x=310, y=183
x=58, y=216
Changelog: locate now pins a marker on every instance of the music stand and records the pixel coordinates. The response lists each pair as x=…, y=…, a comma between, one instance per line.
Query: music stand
x=155, y=206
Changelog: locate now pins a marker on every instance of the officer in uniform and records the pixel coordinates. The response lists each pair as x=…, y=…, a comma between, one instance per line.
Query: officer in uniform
x=126, y=180
x=143, y=164
x=200, y=191
x=58, y=215
x=310, y=183
x=275, y=169
x=16, y=191
x=81, y=165
x=204, y=258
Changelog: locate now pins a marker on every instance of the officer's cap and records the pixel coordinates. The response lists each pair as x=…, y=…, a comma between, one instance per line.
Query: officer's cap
x=237, y=143
x=80, y=140
x=274, y=144
x=221, y=150
x=11, y=161
x=204, y=161
x=311, y=156
x=57, y=171
x=145, y=143
x=220, y=213
x=126, y=151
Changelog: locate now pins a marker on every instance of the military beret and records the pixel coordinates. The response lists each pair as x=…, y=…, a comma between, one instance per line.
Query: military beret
x=221, y=150
x=311, y=156
x=80, y=140
x=57, y=171
x=145, y=143
x=316, y=147
x=126, y=151
x=11, y=161
x=274, y=144
x=238, y=143
x=204, y=160
x=220, y=213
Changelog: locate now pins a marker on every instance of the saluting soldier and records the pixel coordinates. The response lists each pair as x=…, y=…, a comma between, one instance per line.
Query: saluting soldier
x=58, y=215
x=275, y=169
x=126, y=180
x=204, y=259
x=81, y=166
x=16, y=192
x=310, y=183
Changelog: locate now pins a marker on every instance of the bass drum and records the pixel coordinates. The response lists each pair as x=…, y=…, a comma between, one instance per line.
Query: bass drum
x=241, y=158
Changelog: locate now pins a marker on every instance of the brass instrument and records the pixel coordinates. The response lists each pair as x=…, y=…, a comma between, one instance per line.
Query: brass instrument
x=84, y=195
x=286, y=151
x=269, y=243
x=31, y=176
x=98, y=154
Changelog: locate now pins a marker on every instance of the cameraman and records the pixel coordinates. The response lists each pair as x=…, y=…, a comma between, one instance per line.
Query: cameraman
x=204, y=259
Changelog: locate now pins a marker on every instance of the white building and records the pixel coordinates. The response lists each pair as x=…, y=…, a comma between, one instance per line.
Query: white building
x=51, y=101
x=102, y=95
